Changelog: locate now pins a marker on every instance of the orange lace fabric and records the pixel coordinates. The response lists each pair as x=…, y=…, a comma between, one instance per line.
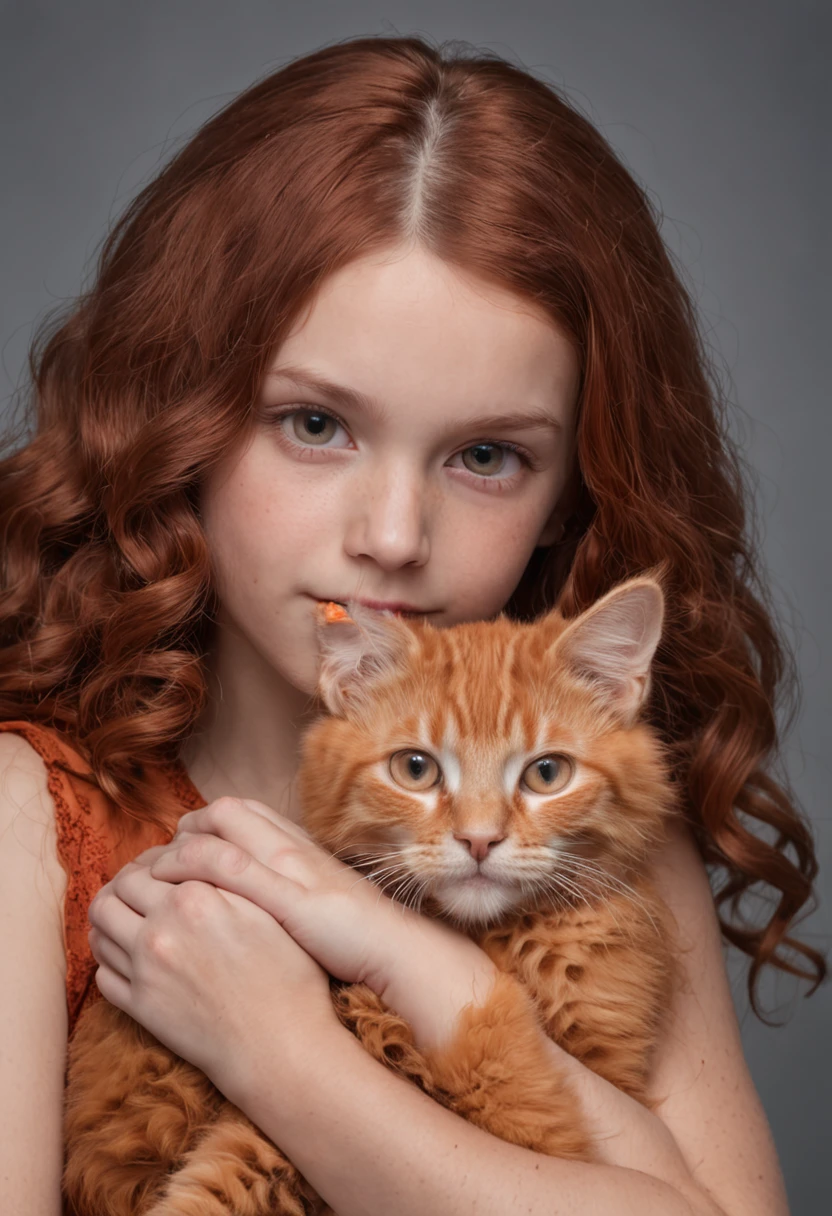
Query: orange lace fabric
x=94, y=841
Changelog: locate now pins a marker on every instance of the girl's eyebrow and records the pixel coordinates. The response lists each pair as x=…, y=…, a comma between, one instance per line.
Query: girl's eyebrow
x=524, y=420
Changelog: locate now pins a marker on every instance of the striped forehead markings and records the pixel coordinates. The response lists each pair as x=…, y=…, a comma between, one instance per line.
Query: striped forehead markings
x=507, y=702
x=448, y=755
x=442, y=725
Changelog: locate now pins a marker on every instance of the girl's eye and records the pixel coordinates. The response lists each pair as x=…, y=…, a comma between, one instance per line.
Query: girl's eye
x=414, y=770
x=310, y=426
x=547, y=775
x=488, y=458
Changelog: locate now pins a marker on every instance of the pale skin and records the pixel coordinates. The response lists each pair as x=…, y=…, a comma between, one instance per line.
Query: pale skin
x=220, y=942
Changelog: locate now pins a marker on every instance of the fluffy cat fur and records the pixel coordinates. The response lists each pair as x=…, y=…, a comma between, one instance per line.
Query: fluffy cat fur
x=581, y=938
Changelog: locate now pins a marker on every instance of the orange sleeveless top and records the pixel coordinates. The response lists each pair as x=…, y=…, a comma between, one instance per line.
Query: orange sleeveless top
x=94, y=841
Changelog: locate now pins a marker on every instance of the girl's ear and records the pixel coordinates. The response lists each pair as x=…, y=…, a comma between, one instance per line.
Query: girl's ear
x=612, y=644
x=358, y=648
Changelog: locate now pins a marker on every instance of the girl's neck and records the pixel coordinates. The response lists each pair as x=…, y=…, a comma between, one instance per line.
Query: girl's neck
x=245, y=742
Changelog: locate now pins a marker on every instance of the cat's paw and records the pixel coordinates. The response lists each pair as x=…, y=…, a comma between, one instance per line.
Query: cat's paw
x=236, y=1171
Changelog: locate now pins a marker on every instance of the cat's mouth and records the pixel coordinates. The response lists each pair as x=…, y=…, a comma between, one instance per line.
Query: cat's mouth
x=478, y=881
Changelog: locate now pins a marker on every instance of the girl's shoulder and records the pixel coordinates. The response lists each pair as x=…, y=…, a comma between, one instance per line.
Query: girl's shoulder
x=92, y=833
x=54, y=747
x=86, y=844
x=27, y=811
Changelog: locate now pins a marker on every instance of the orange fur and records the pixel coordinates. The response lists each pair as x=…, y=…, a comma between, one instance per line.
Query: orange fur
x=582, y=941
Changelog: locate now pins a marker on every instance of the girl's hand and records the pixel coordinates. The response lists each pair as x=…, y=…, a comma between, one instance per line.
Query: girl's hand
x=204, y=970
x=192, y=942
x=419, y=966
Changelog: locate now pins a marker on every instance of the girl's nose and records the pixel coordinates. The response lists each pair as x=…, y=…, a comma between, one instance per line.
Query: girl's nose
x=386, y=519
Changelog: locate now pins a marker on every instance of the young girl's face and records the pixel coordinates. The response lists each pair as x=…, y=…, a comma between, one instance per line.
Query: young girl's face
x=395, y=481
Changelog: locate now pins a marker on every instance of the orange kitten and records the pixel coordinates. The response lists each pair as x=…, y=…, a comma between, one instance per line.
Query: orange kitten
x=494, y=774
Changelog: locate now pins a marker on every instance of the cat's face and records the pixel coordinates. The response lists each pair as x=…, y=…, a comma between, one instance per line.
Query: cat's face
x=490, y=767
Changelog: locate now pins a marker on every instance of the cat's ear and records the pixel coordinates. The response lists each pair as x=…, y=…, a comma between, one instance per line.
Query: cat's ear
x=358, y=648
x=612, y=644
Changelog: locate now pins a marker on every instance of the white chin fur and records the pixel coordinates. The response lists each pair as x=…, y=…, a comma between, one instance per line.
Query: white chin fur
x=475, y=905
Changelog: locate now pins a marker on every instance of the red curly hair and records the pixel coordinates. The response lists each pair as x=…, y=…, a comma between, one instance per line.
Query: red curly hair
x=107, y=600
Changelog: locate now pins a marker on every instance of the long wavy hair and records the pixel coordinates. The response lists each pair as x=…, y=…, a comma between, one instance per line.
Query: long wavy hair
x=139, y=389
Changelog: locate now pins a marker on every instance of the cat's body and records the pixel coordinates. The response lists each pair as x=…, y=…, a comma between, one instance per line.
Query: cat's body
x=568, y=915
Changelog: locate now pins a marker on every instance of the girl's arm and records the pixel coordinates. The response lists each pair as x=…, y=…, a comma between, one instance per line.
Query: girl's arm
x=707, y=1115
x=371, y=1144
x=33, y=1019
x=700, y=1080
x=186, y=958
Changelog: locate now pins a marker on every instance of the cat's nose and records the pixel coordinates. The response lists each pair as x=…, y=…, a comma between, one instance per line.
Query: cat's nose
x=480, y=842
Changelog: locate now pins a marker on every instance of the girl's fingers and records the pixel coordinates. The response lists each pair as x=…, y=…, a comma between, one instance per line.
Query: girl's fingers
x=145, y=858
x=230, y=813
x=277, y=820
x=135, y=886
x=115, y=920
x=118, y=910
x=113, y=987
x=107, y=953
x=208, y=862
x=240, y=825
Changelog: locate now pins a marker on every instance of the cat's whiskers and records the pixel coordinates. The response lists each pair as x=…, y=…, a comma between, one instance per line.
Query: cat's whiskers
x=391, y=864
x=580, y=866
x=402, y=880
x=601, y=882
x=373, y=856
x=386, y=882
x=413, y=882
x=403, y=883
x=530, y=889
x=371, y=879
x=371, y=859
x=602, y=899
x=611, y=883
x=381, y=892
x=554, y=881
x=343, y=849
x=425, y=886
x=380, y=877
x=552, y=885
x=606, y=901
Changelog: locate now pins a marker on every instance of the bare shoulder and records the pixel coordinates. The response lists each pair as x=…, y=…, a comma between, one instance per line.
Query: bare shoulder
x=27, y=820
x=27, y=812
x=700, y=1080
x=33, y=1020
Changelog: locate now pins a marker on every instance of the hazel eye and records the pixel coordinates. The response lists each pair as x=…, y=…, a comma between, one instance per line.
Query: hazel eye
x=547, y=774
x=312, y=426
x=486, y=457
x=414, y=770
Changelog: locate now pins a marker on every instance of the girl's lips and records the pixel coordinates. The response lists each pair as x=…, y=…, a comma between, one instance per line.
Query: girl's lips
x=395, y=606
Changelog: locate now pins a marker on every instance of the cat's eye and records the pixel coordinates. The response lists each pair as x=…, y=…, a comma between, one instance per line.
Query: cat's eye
x=547, y=774
x=414, y=770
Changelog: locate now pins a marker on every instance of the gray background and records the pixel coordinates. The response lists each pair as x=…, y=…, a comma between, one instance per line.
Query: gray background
x=718, y=108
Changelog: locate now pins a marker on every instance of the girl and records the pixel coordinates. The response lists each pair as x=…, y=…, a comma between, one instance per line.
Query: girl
x=395, y=324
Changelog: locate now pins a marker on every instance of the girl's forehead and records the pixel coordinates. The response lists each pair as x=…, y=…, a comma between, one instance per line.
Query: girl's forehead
x=380, y=331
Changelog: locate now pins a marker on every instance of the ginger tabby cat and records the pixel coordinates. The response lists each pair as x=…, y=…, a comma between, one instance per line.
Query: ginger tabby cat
x=497, y=775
